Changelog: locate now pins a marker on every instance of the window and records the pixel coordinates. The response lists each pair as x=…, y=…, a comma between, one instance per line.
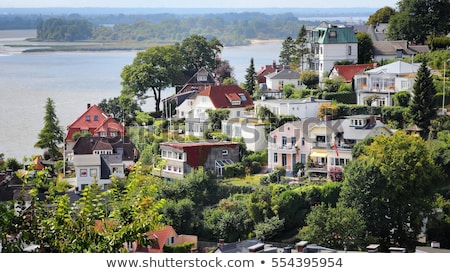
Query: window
x=83, y=172
x=275, y=158
x=93, y=172
x=113, y=134
x=243, y=97
x=293, y=141
x=96, y=118
x=283, y=141
x=349, y=50
x=303, y=141
x=283, y=160
x=88, y=117
x=303, y=158
x=404, y=85
x=224, y=152
x=332, y=34
x=103, y=134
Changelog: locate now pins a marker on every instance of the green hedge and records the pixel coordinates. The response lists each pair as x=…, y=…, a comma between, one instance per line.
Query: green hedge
x=341, y=97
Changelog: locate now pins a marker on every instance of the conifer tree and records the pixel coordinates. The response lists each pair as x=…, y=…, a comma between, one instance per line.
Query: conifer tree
x=51, y=135
x=423, y=107
x=250, y=79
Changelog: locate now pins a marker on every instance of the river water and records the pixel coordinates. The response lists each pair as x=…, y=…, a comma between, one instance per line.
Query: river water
x=72, y=80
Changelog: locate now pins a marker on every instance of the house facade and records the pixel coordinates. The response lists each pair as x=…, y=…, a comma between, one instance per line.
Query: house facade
x=331, y=43
x=230, y=97
x=181, y=158
x=287, y=145
x=332, y=142
x=251, y=130
x=277, y=79
x=97, y=159
x=376, y=87
x=302, y=108
x=322, y=146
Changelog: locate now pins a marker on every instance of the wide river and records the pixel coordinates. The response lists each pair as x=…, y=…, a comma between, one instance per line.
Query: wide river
x=72, y=80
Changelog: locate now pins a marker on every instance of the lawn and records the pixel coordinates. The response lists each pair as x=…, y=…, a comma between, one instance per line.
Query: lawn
x=251, y=180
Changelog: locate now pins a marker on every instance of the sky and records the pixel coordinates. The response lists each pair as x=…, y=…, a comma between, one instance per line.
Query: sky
x=198, y=3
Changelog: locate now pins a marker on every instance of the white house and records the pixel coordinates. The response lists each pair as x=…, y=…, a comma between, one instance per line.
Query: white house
x=302, y=108
x=377, y=86
x=277, y=79
x=230, y=97
x=331, y=43
x=251, y=130
x=97, y=159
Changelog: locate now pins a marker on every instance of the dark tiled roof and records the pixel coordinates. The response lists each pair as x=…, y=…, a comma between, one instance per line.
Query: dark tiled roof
x=87, y=145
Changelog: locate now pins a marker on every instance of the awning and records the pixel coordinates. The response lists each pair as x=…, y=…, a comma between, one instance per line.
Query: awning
x=318, y=154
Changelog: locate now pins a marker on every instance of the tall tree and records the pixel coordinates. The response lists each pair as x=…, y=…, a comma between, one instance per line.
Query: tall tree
x=418, y=19
x=392, y=184
x=337, y=227
x=301, y=44
x=197, y=52
x=381, y=16
x=287, y=53
x=250, y=78
x=51, y=135
x=423, y=106
x=365, y=47
x=153, y=69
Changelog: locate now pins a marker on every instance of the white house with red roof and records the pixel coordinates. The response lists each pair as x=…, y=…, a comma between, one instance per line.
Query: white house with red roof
x=231, y=97
x=95, y=121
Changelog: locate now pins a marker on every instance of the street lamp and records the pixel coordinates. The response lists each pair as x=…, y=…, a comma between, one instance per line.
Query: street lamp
x=444, y=111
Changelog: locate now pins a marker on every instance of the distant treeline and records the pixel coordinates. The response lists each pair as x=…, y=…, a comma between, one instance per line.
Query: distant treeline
x=229, y=28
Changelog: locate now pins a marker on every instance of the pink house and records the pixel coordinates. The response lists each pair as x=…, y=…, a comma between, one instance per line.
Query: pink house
x=288, y=145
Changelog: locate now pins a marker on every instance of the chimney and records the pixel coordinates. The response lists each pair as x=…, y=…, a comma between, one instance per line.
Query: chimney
x=221, y=243
x=88, y=105
x=372, y=120
x=301, y=246
x=274, y=65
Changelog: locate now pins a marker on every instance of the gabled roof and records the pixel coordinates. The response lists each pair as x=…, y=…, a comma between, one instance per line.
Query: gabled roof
x=352, y=132
x=298, y=124
x=391, y=48
x=265, y=70
x=110, y=124
x=223, y=96
x=83, y=122
x=399, y=68
x=87, y=145
x=285, y=74
x=350, y=70
x=94, y=119
x=160, y=238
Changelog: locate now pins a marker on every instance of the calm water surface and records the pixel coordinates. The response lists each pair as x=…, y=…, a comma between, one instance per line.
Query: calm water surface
x=72, y=80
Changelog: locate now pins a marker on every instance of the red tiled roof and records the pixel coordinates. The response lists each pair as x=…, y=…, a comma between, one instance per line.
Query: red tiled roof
x=160, y=238
x=265, y=70
x=349, y=71
x=97, y=119
x=220, y=96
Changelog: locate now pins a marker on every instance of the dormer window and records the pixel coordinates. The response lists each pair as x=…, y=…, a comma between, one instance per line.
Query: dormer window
x=332, y=34
x=242, y=96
